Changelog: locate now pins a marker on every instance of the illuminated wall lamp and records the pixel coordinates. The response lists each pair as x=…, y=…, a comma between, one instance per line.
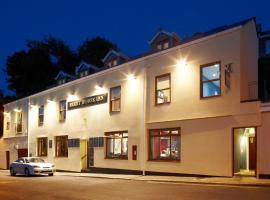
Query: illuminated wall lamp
x=17, y=110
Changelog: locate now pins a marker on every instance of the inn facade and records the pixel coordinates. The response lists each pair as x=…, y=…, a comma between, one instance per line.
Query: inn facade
x=190, y=106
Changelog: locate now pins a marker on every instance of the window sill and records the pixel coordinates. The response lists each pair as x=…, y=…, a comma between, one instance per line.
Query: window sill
x=116, y=158
x=160, y=104
x=209, y=97
x=164, y=160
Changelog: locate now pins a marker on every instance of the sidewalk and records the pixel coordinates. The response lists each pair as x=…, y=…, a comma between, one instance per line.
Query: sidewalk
x=235, y=181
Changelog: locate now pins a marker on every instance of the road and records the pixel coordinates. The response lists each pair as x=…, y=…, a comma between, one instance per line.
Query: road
x=66, y=187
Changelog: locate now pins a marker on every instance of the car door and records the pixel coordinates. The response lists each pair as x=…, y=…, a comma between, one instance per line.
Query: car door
x=20, y=166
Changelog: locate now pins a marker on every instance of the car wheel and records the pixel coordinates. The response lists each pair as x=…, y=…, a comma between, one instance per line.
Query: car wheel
x=12, y=172
x=50, y=174
x=26, y=172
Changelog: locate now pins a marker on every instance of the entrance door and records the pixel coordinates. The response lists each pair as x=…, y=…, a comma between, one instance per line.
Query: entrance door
x=244, y=151
x=7, y=159
x=22, y=153
x=83, y=150
x=252, y=153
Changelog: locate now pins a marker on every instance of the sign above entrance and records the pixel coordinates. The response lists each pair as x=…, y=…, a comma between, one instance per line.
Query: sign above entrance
x=88, y=101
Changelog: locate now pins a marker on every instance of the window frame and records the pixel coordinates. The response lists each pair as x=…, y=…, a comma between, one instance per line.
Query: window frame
x=121, y=157
x=64, y=110
x=57, y=139
x=168, y=135
x=18, y=123
x=112, y=100
x=41, y=123
x=40, y=140
x=212, y=80
x=156, y=90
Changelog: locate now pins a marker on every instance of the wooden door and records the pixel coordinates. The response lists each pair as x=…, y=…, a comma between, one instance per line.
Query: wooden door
x=252, y=153
x=7, y=159
x=22, y=153
x=83, y=150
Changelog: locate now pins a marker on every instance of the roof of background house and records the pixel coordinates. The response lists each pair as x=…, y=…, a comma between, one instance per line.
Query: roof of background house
x=63, y=74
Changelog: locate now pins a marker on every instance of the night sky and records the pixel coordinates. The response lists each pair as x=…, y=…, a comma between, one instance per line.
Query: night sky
x=129, y=24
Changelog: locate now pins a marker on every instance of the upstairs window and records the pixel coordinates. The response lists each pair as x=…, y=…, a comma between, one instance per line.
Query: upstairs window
x=42, y=144
x=112, y=63
x=115, y=99
x=61, y=81
x=117, y=145
x=8, y=126
x=210, y=80
x=83, y=73
x=61, y=146
x=62, y=110
x=18, y=125
x=163, y=45
x=41, y=115
x=163, y=89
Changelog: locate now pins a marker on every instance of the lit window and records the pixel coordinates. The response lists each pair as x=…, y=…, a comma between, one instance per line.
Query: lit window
x=267, y=47
x=117, y=145
x=83, y=73
x=115, y=99
x=165, y=144
x=62, y=110
x=165, y=45
x=42, y=146
x=159, y=46
x=18, y=125
x=163, y=89
x=61, y=146
x=210, y=80
x=7, y=126
x=40, y=115
x=62, y=81
x=114, y=62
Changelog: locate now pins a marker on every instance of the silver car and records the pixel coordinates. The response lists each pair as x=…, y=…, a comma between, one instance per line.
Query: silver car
x=31, y=166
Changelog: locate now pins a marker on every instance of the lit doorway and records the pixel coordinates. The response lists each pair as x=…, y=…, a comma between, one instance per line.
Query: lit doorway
x=244, y=151
x=83, y=152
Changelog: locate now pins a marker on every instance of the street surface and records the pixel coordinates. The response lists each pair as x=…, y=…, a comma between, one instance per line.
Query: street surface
x=81, y=188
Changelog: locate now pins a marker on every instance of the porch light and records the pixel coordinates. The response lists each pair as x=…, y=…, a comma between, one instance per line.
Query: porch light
x=17, y=110
x=6, y=113
x=131, y=77
x=181, y=63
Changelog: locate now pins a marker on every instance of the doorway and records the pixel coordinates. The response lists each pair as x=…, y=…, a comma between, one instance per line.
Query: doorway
x=83, y=150
x=244, y=151
x=7, y=159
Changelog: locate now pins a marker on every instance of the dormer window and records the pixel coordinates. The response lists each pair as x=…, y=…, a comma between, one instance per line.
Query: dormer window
x=61, y=81
x=164, y=40
x=63, y=77
x=114, y=58
x=83, y=73
x=84, y=69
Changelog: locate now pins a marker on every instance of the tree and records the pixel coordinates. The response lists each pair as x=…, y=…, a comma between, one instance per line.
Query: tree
x=34, y=70
x=94, y=50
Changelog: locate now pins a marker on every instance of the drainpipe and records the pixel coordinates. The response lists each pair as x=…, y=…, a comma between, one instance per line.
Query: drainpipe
x=143, y=122
x=28, y=132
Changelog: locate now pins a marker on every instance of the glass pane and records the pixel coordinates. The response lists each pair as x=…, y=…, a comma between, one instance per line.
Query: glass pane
x=164, y=147
x=125, y=146
x=175, y=147
x=175, y=132
x=154, y=132
x=115, y=93
x=163, y=96
x=164, y=132
x=117, y=147
x=211, y=89
x=154, y=147
x=163, y=82
x=110, y=147
x=116, y=105
x=211, y=72
x=125, y=134
x=62, y=105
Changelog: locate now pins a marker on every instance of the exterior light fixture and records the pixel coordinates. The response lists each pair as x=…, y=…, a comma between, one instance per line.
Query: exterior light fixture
x=6, y=113
x=181, y=63
x=131, y=77
x=17, y=110
x=49, y=101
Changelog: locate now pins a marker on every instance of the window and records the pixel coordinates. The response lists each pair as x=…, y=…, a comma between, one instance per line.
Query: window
x=164, y=144
x=165, y=45
x=62, y=110
x=61, y=146
x=7, y=126
x=267, y=47
x=117, y=145
x=18, y=125
x=42, y=146
x=41, y=115
x=163, y=89
x=62, y=81
x=115, y=99
x=210, y=80
x=83, y=73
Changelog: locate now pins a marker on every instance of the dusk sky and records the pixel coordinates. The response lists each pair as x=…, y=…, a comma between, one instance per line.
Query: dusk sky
x=129, y=24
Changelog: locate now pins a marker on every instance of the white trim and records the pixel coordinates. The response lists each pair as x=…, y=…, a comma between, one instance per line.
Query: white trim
x=119, y=67
x=158, y=33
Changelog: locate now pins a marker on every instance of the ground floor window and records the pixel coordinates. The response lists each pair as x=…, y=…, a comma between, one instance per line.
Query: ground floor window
x=164, y=144
x=61, y=146
x=42, y=146
x=117, y=145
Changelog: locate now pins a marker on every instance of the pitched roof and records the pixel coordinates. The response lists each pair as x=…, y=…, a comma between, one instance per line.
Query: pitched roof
x=162, y=31
x=84, y=66
x=62, y=75
x=114, y=53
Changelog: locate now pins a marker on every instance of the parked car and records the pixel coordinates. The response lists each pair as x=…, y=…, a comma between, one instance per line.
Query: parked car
x=31, y=166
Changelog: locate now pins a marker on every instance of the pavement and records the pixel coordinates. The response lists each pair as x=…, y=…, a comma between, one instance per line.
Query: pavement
x=232, y=181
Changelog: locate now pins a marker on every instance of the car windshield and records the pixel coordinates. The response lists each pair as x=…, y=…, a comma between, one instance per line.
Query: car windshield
x=35, y=160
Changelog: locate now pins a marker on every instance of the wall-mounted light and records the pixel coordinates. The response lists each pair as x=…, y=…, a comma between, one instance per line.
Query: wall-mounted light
x=181, y=63
x=6, y=113
x=17, y=110
x=131, y=77
x=49, y=101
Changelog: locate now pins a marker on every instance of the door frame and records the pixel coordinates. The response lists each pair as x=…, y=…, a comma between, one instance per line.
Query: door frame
x=86, y=141
x=7, y=159
x=255, y=127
